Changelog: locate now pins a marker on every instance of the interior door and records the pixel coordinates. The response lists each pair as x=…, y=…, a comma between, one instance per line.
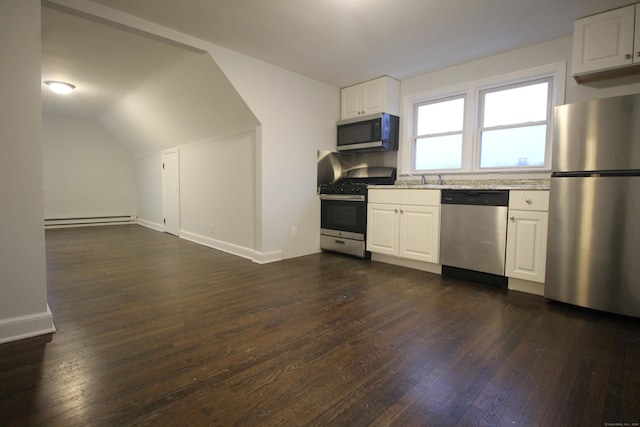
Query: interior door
x=171, y=191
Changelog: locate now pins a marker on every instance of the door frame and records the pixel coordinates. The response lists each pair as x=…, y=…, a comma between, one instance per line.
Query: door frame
x=171, y=200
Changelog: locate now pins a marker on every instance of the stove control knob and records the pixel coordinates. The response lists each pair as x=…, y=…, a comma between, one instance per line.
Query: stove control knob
x=341, y=189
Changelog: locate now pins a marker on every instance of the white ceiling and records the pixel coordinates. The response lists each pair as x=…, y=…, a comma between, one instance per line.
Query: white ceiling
x=149, y=94
x=119, y=73
x=105, y=63
x=343, y=42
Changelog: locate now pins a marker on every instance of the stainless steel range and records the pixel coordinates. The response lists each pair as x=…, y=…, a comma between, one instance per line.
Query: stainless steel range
x=343, y=218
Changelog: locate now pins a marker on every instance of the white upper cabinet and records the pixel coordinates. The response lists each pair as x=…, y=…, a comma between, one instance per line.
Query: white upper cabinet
x=607, y=44
x=376, y=96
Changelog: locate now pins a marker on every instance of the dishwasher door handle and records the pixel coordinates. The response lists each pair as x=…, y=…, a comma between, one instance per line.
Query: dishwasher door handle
x=475, y=197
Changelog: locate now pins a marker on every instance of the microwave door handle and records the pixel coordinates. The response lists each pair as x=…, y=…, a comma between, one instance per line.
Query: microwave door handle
x=373, y=144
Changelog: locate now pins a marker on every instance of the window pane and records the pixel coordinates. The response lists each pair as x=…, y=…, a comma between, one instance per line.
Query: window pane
x=440, y=152
x=518, y=105
x=522, y=146
x=441, y=117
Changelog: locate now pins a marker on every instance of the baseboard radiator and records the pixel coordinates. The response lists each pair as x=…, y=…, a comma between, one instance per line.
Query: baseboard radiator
x=88, y=221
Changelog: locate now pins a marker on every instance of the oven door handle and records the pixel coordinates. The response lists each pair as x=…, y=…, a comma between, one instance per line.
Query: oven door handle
x=343, y=197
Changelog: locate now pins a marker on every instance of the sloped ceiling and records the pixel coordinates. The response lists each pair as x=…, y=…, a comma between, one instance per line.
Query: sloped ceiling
x=150, y=94
x=155, y=95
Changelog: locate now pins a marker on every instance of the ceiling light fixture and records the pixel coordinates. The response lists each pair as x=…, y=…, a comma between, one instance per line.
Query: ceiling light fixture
x=60, y=87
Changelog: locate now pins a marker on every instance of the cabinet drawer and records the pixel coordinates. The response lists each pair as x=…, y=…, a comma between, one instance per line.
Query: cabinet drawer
x=420, y=197
x=529, y=200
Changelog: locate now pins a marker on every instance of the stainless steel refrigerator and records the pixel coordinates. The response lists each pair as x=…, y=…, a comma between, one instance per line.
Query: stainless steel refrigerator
x=593, y=254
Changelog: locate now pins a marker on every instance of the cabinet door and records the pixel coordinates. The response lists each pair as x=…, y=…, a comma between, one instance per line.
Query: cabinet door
x=351, y=102
x=527, y=245
x=420, y=233
x=374, y=96
x=382, y=228
x=604, y=41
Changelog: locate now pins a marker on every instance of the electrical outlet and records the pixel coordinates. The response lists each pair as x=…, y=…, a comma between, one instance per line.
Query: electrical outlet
x=294, y=231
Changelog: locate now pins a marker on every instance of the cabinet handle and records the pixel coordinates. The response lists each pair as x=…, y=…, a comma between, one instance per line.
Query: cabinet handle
x=401, y=211
x=628, y=56
x=512, y=218
x=638, y=54
x=528, y=201
x=396, y=210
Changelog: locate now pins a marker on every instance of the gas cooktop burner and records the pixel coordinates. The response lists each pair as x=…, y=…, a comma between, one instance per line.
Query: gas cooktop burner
x=355, y=181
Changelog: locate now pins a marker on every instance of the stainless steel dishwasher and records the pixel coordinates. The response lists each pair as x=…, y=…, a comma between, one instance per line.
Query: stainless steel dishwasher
x=473, y=235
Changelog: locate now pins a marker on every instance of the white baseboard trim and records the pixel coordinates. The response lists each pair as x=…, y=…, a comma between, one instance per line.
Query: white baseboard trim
x=17, y=328
x=152, y=225
x=220, y=245
x=267, y=257
x=526, y=286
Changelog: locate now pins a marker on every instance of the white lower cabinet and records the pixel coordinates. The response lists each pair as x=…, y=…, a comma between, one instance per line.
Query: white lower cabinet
x=383, y=228
x=527, y=235
x=409, y=229
x=404, y=225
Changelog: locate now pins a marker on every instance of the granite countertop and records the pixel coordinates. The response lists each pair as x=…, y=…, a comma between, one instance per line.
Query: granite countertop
x=485, y=184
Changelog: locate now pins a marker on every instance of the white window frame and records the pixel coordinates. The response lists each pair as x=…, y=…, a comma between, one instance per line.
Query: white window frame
x=470, y=144
x=548, y=122
x=417, y=105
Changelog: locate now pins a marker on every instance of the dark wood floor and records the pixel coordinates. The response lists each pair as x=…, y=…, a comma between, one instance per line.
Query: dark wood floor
x=155, y=330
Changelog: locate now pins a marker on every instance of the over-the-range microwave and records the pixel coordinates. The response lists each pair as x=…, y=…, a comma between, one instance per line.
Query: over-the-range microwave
x=375, y=132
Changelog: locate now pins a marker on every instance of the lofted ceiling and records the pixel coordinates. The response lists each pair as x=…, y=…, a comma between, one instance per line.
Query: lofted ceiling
x=151, y=94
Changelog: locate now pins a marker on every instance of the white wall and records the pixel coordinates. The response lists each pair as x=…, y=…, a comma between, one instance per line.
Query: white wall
x=23, y=292
x=149, y=190
x=549, y=52
x=297, y=117
x=218, y=193
x=553, y=51
x=87, y=172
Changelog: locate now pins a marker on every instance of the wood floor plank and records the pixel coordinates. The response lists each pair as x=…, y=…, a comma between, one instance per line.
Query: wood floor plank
x=156, y=330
